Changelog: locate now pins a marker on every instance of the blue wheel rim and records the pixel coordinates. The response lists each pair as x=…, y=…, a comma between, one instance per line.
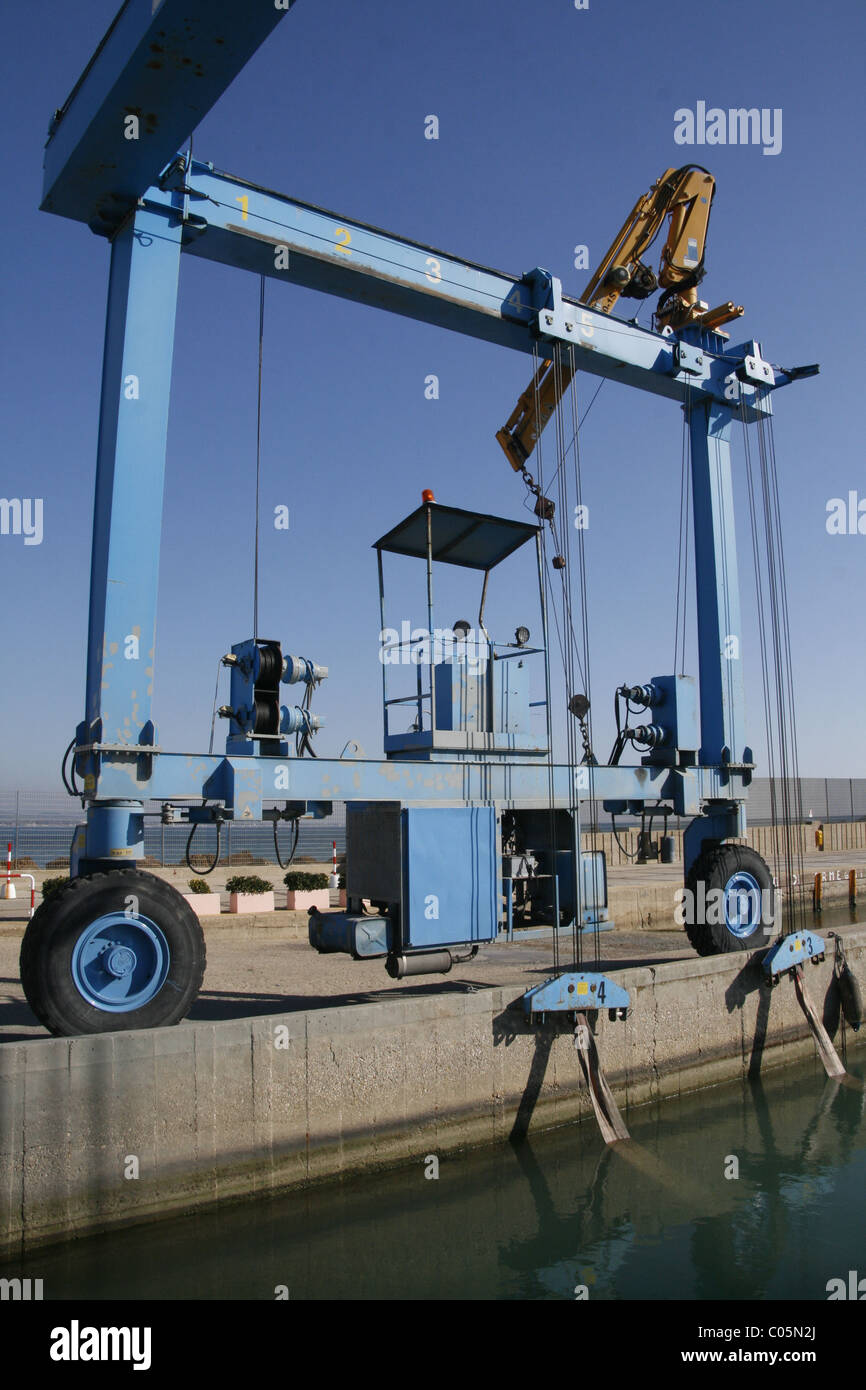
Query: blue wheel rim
x=120, y=963
x=743, y=904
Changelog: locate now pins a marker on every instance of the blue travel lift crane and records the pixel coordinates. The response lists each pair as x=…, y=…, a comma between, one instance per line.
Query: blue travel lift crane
x=435, y=827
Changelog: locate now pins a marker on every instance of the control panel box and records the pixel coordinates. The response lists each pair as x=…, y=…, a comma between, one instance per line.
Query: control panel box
x=437, y=865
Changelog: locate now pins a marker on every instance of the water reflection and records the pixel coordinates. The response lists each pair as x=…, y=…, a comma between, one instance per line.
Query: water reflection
x=655, y=1218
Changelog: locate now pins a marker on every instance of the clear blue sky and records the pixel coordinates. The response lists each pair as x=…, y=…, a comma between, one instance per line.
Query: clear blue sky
x=552, y=121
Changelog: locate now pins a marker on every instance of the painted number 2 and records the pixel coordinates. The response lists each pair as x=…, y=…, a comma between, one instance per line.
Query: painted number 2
x=343, y=237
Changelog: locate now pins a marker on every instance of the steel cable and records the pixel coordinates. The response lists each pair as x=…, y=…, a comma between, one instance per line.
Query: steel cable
x=258, y=459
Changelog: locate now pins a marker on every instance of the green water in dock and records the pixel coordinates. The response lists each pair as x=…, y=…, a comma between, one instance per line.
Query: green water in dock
x=548, y=1217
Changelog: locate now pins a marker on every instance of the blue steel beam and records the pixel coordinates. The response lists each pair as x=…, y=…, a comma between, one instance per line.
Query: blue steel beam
x=723, y=721
x=166, y=62
x=240, y=224
x=136, y=379
x=245, y=781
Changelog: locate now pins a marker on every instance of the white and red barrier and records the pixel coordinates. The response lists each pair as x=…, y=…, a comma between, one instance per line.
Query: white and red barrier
x=334, y=880
x=7, y=890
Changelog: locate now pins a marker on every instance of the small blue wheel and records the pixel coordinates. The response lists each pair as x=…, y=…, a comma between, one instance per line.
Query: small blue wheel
x=112, y=951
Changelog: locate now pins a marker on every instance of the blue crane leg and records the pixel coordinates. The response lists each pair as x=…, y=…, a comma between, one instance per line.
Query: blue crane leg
x=717, y=584
x=127, y=519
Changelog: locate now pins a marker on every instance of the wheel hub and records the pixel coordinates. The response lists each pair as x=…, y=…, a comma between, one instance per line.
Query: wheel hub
x=743, y=900
x=120, y=962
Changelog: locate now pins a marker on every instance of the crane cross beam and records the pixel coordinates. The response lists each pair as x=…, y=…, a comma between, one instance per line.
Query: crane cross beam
x=230, y=220
x=159, y=69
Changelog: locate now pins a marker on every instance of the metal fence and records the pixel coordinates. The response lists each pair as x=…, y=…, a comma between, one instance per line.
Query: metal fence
x=825, y=798
x=40, y=825
x=821, y=799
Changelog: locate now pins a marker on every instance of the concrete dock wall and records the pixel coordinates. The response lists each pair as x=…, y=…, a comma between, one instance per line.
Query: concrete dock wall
x=129, y=1127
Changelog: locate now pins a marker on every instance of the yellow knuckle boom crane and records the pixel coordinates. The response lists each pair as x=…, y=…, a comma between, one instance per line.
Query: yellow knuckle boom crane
x=685, y=197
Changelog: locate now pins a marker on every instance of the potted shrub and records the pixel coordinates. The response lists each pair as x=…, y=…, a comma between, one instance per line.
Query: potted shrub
x=52, y=885
x=306, y=891
x=249, y=893
x=202, y=899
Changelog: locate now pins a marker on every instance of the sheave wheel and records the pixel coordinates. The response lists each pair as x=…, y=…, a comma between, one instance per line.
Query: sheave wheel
x=730, y=901
x=111, y=952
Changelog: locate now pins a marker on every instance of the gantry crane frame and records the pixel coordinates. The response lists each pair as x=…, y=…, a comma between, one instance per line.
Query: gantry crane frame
x=167, y=65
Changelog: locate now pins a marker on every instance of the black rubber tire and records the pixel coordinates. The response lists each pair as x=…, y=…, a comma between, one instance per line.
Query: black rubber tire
x=715, y=866
x=57, y=924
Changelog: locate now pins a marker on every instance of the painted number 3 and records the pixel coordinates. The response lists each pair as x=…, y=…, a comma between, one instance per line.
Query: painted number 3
x=433, y=271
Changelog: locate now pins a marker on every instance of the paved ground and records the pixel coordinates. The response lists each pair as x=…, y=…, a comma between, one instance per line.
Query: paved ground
x=251, y=974
x=255, y=970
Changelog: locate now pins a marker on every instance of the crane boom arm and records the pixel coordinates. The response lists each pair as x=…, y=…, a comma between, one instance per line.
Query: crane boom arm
x=685, y=197
x=520, y=432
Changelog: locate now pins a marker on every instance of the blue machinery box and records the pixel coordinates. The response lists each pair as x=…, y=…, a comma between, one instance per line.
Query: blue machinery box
x=450, y=875
x=437, y=865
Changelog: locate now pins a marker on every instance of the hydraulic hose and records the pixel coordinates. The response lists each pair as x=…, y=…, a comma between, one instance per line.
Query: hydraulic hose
x=216, y=859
